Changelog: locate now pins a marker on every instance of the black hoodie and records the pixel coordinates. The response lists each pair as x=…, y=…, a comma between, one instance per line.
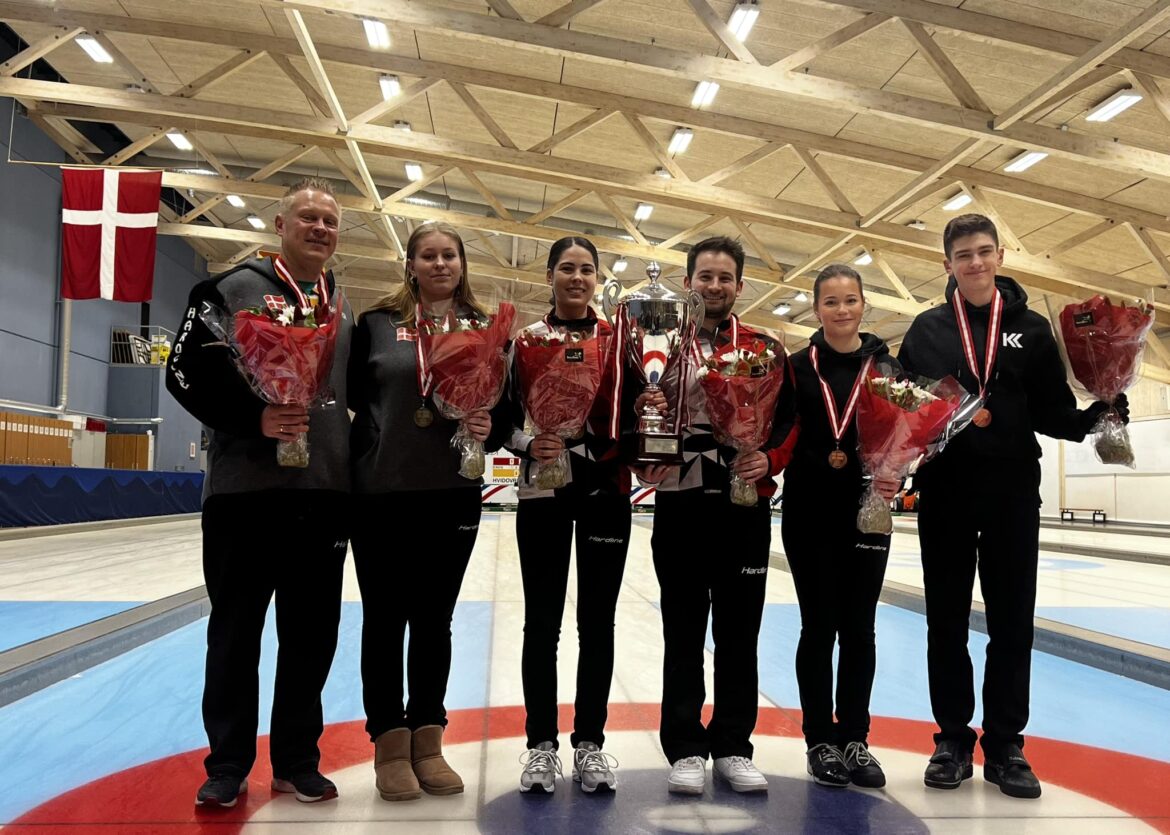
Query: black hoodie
x=1028, y=391
x=804, y=420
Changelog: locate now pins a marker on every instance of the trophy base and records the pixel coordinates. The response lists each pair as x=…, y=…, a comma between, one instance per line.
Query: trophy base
x=659, y=448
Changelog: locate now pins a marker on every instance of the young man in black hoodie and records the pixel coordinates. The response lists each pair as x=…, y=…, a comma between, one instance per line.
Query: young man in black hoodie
x=268, y=530
x=980, y=501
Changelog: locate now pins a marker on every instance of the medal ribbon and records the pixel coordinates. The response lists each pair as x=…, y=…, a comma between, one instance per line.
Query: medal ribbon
x=426, y=380
x=282, y=270
x=994, y=326
x=838, y=427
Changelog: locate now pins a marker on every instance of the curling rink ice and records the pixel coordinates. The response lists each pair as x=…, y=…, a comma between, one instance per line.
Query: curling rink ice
x=118, y=748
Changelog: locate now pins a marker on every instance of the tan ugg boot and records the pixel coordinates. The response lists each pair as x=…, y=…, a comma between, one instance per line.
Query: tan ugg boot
x=432, y=771
x=392, y=770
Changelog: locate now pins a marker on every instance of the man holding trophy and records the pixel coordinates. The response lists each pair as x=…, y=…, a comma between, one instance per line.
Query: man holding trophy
x=699, y=574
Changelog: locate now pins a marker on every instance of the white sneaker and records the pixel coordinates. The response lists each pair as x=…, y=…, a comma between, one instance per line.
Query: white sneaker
x=688, y=776
x=541, y=767
x=741, y=774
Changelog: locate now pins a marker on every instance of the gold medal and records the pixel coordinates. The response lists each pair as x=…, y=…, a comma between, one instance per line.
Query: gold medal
x=423, y=417
x=982, y=418
x=838, y=459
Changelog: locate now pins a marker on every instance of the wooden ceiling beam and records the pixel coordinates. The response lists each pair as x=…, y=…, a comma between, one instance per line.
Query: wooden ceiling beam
x=39, y=49
x=1114, y=42
x=580, y=126
x=481, y=115
x=920, y=185
x=831, y=188
x=560, y=16
x=969, y=23
x=831, y=41
x=943, y=67
x=718, y=27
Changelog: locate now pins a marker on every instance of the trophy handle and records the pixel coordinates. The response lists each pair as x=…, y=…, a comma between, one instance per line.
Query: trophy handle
x=611, y=291
x=695, y=311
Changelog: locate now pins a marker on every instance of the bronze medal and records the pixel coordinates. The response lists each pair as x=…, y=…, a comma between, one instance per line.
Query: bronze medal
x=838, y=459
x=982, y=418
x=423, y=417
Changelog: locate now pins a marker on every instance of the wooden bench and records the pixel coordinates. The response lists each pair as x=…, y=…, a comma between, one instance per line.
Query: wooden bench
x=1069, y=514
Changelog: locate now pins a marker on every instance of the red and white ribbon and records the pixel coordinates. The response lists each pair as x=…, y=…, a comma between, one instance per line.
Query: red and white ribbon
x=283, y=271
x=838, y=426
x=994, y=326
x=425, y=379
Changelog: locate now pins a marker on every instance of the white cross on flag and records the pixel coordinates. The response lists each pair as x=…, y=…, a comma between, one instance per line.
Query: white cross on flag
x=109, y=224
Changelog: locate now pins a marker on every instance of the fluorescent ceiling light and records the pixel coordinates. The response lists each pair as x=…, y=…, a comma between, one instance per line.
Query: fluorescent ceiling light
x=801, y=297
x=863, y=260
x=401, y=125
x=1024, y=161
x=643, y=211
x=1119, y=101
x=704, y=93
x=95, y=50
x=199, y=172
x=920, y=225
x=256, y=222
x=236, y=200
x=414, y=172
x=390, y=86
x=619, y=266
x=179, y=141
x=743, y=18
x=663, y=173
x=957, y=202
x=680, y=140
x=782, y=309
x=377, y=35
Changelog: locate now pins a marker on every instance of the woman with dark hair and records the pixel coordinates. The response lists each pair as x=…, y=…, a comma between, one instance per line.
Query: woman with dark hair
x=837, y=570
x=404, y=472
x=596, y=501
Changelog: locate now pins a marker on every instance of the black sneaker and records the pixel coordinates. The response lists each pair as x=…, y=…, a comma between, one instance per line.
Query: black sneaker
x=826, y=764
x=221, y=790
x=1012, y=773
x=949, y=766
x=309, y=787
x=864, y=769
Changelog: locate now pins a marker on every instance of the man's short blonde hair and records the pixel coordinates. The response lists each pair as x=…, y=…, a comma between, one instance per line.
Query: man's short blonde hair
x=307, y=184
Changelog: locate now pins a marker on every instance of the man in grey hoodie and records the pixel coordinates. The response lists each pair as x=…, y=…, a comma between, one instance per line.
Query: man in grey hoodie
x=269, y=530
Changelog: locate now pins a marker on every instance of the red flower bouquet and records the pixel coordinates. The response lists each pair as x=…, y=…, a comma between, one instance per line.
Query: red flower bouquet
x=286, y=354
x=465, y=367
x=560, y=375
x=901, y=424
x=1104, y=344
x=741, y=386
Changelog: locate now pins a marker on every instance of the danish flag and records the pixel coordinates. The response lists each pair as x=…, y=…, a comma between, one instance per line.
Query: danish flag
x=109, y=224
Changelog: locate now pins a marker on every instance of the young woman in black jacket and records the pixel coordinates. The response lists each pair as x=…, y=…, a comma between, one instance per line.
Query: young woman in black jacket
x=837, y=570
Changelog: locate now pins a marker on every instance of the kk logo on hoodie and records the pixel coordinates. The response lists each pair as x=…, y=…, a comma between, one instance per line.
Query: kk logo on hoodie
x=1012, y=340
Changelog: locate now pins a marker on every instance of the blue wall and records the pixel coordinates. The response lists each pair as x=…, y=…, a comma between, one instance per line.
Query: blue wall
x=30, y=224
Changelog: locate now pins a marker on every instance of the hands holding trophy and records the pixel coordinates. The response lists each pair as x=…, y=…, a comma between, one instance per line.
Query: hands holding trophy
x=657, y=328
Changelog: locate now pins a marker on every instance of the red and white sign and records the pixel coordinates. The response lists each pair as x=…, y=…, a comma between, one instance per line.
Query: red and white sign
x=109, y=224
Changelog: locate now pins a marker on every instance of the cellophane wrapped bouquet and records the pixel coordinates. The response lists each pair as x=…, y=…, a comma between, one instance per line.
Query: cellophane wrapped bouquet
x=560, y=374
x=741, y=386
x=465, y=356
x=901, y=424
x=285, y=352
x=1104, y=343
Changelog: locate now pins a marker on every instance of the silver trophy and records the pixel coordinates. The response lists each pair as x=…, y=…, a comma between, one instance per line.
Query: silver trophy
x=659, y=327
